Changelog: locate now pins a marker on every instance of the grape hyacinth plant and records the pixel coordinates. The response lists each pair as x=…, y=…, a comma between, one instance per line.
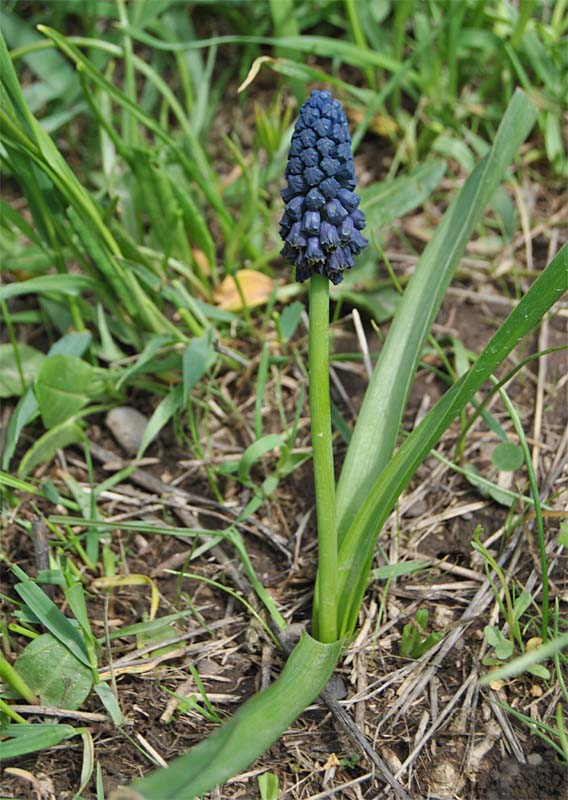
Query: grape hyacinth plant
x=321, y=226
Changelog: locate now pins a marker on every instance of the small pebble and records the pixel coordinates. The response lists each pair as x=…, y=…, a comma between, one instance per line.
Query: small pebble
x=535, y=759
x=127, y=425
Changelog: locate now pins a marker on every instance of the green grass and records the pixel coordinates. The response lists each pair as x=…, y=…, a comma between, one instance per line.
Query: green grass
x=136, y=182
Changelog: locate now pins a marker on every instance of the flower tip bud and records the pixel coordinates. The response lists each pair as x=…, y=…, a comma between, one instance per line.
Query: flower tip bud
x=321, y=223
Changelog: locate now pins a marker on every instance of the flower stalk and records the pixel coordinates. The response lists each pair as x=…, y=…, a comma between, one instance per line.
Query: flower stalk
x=325, y=605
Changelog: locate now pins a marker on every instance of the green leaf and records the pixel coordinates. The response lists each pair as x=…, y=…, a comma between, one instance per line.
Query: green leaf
x=493, y=635
x=421, y=618
x=110, y=702
x=51, y=617
x=268, y=786
x=30, y=360
x=504, y=650
x=505, y=209
x=289, y=319
x=539, y=671
x=397, y=570
x=451, y=147
x=255, y=726
x=165, y=410
x=377, y=426
x=44, y=448
x=64, y=385
x=196, y=361
x=196, y=225
x=522, y=663
x=52, y=70
x=387, y=201
x=71, y=344
x=325, y=46
x=381, y=305
x=356, y=552
x=522, y=602
x=256, y=450
x=487, y=489
x=24, y=739
x=60, y=284
x=507, y=457
x=53, y=672
x=409, y=640
x=503, y=647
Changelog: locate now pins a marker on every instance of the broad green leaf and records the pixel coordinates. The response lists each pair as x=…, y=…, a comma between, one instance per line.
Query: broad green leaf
x=507, y=457
x=55, y=675
x=505, y=210
x=357, y=549
x=71, y=344
x=452, y=147
x=52, y=70
x=24, y=739
x=197, y=359
x=153, y=346
x=30, y=362
x=255, y=726
x=493, y=635
x=387, y=201
x=64, y=385
x=539, y=671
x=504, y=649
x=377, y=426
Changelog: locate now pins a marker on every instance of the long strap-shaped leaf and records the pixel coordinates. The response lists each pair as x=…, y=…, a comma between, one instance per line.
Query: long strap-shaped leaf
x=356, y=553
x=255, y=726
x=375, y=433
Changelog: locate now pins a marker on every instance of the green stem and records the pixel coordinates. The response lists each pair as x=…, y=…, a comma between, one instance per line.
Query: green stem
x=325, y=605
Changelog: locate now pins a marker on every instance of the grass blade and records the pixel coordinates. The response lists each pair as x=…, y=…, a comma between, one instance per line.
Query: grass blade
x=24, y=739
x=386, y=202
x=51, y=617
x=375, y=433
x=356, y=552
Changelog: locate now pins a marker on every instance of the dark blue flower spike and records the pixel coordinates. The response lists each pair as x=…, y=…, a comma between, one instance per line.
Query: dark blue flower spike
x=321, y=226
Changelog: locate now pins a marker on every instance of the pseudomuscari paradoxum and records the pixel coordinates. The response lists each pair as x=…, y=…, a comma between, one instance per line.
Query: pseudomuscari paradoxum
x=321, y=225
